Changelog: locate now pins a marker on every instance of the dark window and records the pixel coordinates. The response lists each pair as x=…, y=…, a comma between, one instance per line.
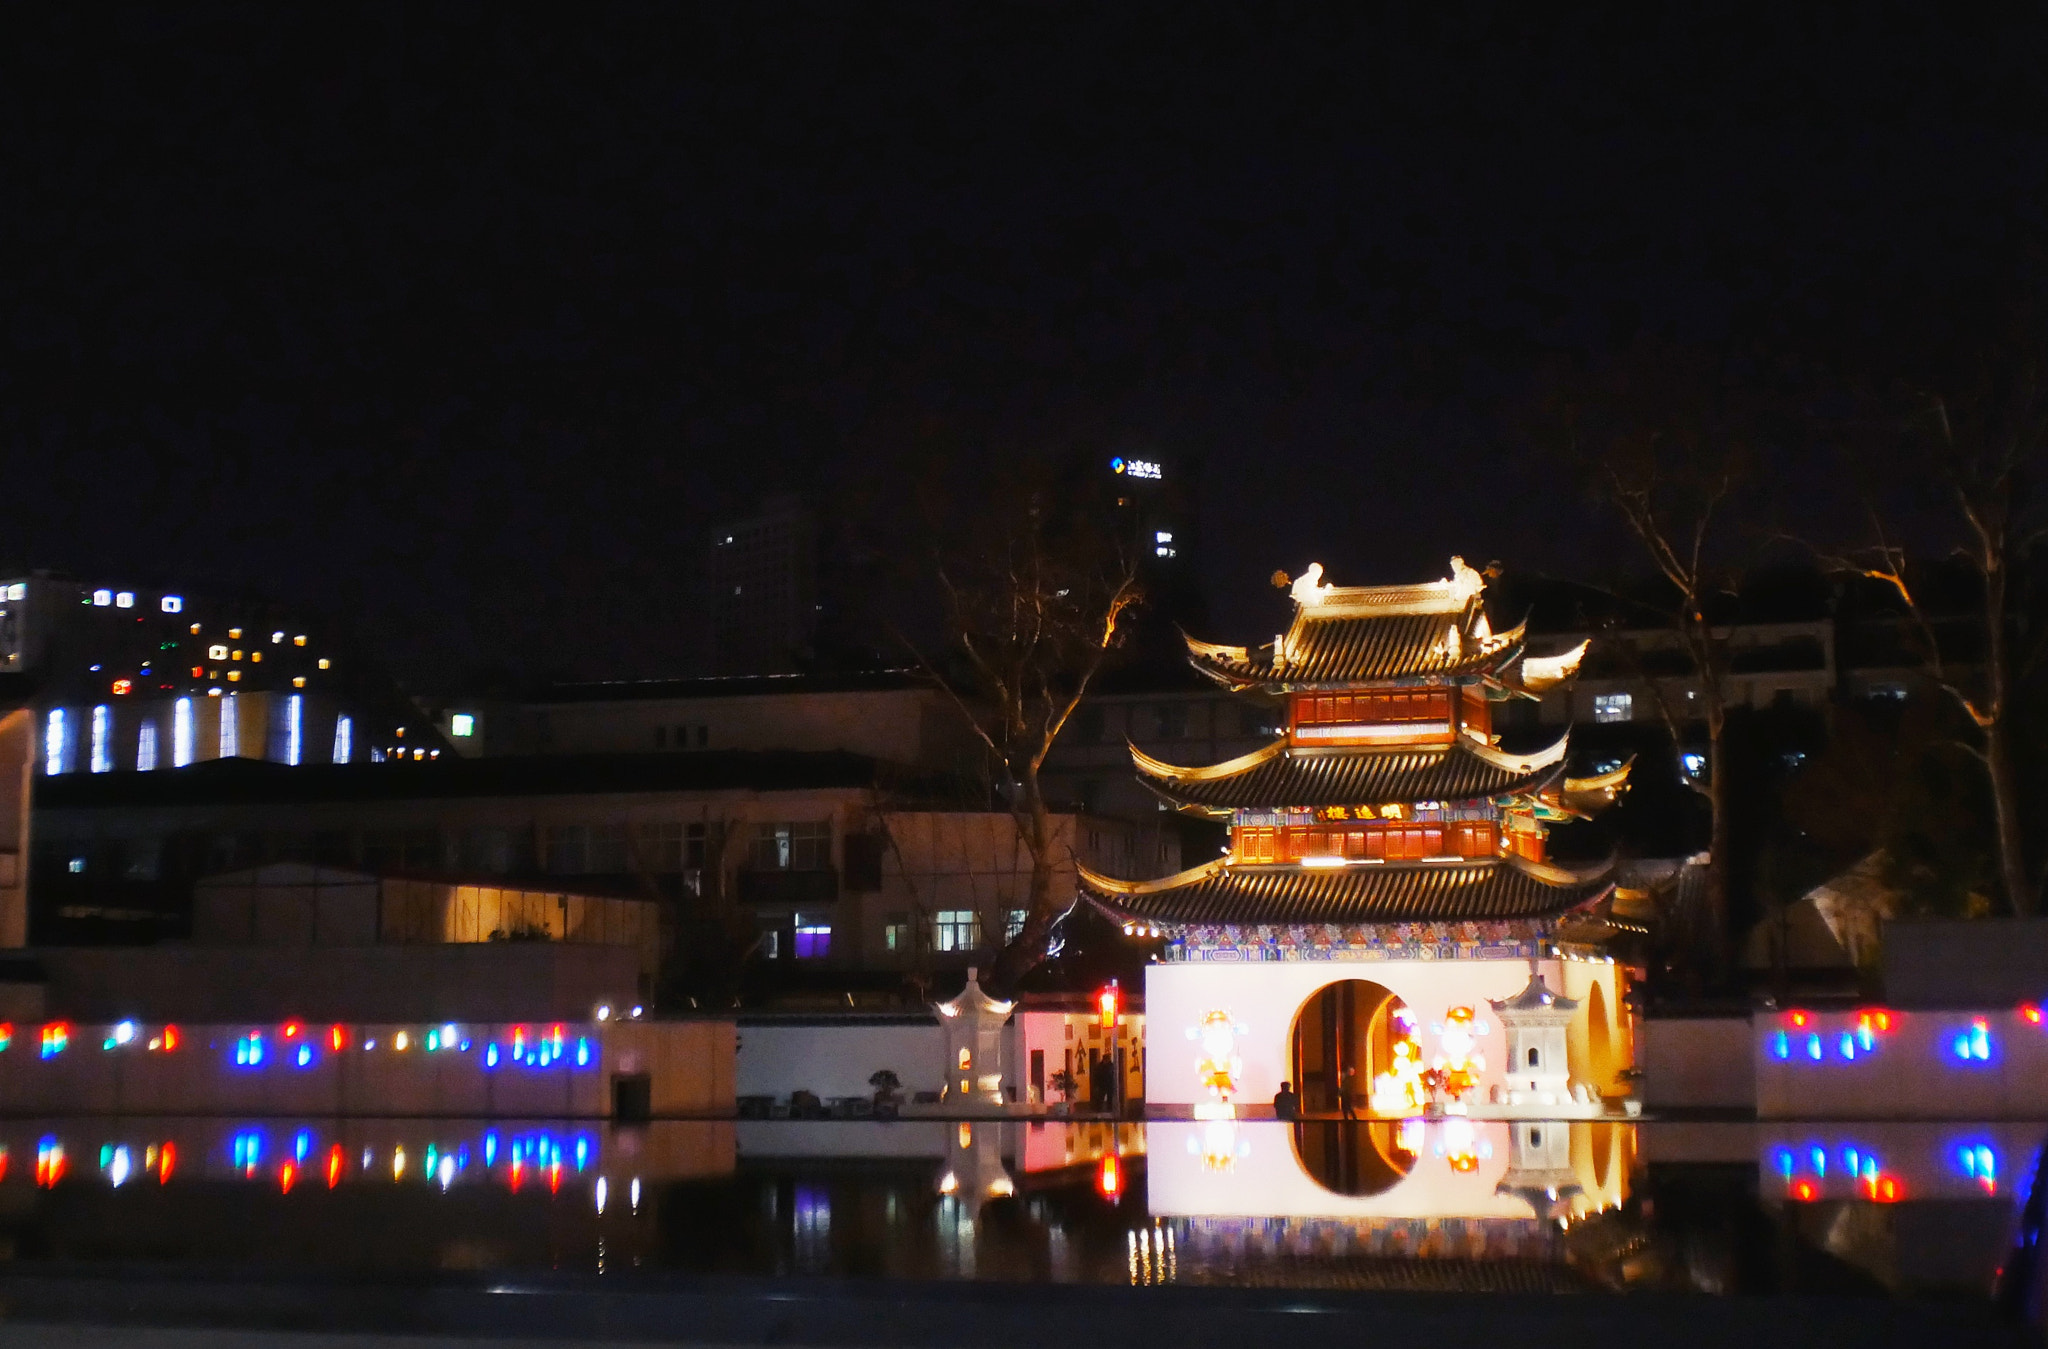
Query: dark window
x=1173, y=721
x=864, y=862
x=661, y=737
x=703, y=736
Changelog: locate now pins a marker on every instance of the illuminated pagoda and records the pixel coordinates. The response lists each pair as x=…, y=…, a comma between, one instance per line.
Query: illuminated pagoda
x=1385, y=899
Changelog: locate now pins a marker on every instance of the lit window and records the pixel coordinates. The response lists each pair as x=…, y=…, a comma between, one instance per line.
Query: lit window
x=1013, y=925
x=896, y=932
x=230, y=733
x=145, y=747
x=234, y=675
x=771, y=945
x=124, y=599
x=122, y=686
x=462, y=724
x=103, y=598
x=53, y=743
x=216, y=653
x=181, y=733
x=235, y=655
x=956, y=930
x=1613, y=706
x=299, y=640
x=344, y=732
x=294, y=716
x=323, y=662
x=76, y=866
x=195, y=629
x=1695, y=763
x=1162, y=536
x=804, y=845
x=255, y=655
x=234, y=634
x=298, y=681
x=174, y=604
x=276, y=637
x=1163, y=551
x=813, y=938
x=102, y=739
x=17, y=591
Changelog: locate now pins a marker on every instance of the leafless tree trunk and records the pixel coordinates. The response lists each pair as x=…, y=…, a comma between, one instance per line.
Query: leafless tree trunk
x=1035, y=603
x=1984, y=468
x=1677, y=548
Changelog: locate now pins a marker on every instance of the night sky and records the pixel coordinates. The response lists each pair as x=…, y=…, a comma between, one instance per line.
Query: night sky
x=462, y=325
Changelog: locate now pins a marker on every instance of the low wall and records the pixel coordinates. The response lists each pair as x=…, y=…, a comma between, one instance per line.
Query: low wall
x=1697, y=1063
x=483, y=1070
x=1884, y=1063
x=835, y=1055
x=493, y=981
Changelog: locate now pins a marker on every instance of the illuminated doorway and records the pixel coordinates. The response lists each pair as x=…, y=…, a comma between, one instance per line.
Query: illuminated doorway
x=1346, y=1036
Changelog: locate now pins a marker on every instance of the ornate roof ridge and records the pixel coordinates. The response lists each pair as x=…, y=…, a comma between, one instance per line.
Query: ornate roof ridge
x=1159, y=768
x=1452, y=595
x=1518, y=763
x=1111, y=885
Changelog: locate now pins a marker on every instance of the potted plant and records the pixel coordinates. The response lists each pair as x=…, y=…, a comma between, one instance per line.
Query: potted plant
x=887, y=1087
x=1063, y=1082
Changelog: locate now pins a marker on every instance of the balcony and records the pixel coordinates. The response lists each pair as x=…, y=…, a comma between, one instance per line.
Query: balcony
x=800, y=888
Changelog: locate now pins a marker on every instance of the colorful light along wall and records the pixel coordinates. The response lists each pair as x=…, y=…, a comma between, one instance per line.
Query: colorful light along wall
x=301, y=1049
x=1805, y=1172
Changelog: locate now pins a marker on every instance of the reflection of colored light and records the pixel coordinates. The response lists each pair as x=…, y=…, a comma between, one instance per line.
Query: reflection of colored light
x=491, y=1144
x=6, y=1035
x=518, y=1172
x=248, y=1151
x=1805, y=1191
x=1785, y=1163
x=49, y=1162
x=286, y=1175
x=1109, y=1178
x=555, y=1177
x=582, y=1152
x=166, y=1158
x=302, y=1143
x=398, y=1163
x=56, y=1039
x=334, y=1166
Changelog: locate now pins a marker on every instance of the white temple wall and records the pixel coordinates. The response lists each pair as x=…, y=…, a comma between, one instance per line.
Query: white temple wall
x=1599, y=1040
x=1265, y=997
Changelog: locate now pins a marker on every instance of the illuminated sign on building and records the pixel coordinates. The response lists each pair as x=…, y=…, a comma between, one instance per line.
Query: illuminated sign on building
x=1134, y=468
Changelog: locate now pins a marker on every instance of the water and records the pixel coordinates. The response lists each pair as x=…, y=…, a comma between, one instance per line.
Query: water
x=1878, y=1210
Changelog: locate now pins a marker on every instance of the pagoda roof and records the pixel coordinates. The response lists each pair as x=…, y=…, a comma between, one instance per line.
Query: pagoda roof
x=1350, y=648
x=1452, y=890
x=1535, y=997
x=1279, y=776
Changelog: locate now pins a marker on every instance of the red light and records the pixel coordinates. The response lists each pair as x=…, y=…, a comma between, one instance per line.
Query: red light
x=166, y=1158
x=1884, y=1189
x=337, y=1037
x=286, y=1174
x=555, y=1178
x=170, y=1037
x=3, y=1163
x=1109, y=1180
x=1805, y=1192
x=1799, y=1018
x=292, y=1029
x=1106, y=1000
x=518, y=1174
x=334, y=1166
x=122, y=686
x=199, y=672
x=2031, y=1012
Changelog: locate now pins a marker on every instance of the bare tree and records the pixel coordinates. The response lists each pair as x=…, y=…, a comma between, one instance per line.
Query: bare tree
x=1983, y=453
x=1674, y=516
x=1036, y=592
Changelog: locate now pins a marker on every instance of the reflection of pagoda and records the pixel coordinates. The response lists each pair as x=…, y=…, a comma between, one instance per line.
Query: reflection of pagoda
x=1386, y=825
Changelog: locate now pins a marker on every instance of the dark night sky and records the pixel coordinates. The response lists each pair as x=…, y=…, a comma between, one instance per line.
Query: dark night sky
x=462, y=326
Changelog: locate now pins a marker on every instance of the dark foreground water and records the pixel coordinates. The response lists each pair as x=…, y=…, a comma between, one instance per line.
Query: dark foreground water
x=1876, y=1211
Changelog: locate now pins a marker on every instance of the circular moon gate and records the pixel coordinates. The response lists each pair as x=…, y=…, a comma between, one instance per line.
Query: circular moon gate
x=1343, y=1038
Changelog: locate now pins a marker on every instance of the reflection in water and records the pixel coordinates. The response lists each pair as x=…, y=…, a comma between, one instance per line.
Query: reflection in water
x=1451, y=1204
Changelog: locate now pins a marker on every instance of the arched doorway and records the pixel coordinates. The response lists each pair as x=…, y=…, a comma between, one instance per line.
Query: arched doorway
x=1353, y=1157
x=1344, y=1037
x=1599, y=1041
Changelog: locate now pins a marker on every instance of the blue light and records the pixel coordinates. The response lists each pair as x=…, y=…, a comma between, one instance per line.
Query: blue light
x=249, y=1050
x=582, y=1152
x=302, y=1143
x=1973, y=1045
x=491, y=1143
x=305, y=1056
x=248, y=1149
x=1850, y=1157
x=491, y=1055
x=1819, y=1156
x=1813, y=1048
x=582, y=1052
x=1847, y=1046
x=1781, y=1046
x=1785, y=1162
